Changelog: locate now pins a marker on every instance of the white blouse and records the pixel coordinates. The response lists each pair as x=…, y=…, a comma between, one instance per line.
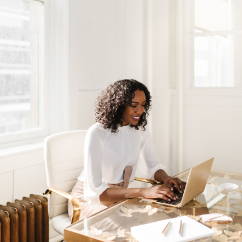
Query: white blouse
x=106, y=154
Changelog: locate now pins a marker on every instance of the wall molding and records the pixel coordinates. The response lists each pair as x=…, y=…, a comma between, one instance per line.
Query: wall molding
x=17, y=171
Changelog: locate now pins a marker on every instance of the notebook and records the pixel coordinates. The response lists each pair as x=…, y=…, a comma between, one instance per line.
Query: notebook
x=196, y=182
x=153, y=231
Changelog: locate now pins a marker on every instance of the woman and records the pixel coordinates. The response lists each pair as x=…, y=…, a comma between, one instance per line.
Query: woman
x=113, y=146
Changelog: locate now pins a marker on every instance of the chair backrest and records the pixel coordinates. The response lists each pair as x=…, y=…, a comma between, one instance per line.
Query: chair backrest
x=63, y=164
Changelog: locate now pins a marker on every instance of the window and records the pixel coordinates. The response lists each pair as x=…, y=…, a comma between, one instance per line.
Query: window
x=21, y=69
x=215, y=34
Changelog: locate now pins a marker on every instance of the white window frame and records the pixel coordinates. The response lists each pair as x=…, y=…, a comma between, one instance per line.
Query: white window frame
x=54, y=88
x=185, y=47
x=39, y=88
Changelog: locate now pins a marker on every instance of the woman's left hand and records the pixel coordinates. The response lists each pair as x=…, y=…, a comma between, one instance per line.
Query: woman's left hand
x=175, y=182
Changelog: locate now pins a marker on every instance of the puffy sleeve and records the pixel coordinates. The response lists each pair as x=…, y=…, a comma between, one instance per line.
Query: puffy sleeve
x=149, y=156
x=93, y=150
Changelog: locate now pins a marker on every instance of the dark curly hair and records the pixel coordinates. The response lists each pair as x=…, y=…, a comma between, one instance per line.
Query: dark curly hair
x=111, y=104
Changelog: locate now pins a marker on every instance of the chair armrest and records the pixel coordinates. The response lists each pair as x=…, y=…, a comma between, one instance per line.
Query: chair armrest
x=74, y=201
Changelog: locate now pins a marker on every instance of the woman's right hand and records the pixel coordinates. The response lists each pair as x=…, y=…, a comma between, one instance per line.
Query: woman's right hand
x=159, y=191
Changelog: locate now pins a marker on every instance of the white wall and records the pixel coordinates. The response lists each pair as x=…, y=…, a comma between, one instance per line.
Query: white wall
x=212, y=128
x=159, y=76
x=106, y=44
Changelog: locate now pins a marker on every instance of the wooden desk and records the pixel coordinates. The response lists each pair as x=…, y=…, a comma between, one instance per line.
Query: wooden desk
x=114, y=223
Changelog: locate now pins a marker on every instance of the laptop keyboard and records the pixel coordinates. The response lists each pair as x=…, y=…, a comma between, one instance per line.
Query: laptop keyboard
x=173, y=202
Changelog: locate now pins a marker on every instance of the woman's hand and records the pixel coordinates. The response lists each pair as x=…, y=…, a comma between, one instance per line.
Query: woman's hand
x=159, y=191
x=175, y=182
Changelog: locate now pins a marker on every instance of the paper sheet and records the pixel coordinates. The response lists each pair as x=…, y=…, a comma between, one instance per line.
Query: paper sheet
x=152, y=231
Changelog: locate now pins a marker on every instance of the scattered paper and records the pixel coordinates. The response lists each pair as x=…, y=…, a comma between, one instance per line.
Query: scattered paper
x=214, y=217
x=127, y=212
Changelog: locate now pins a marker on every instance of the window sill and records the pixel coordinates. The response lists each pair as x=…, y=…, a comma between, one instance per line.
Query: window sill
x=5, y=152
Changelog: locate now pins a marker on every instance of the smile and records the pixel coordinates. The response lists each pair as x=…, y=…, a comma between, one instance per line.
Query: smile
x=136, y=117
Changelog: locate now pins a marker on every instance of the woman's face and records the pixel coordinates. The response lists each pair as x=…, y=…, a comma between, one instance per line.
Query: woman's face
x=133, y=112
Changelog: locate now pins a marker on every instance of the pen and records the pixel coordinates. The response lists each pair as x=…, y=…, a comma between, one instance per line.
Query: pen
x=181, y=228
x=151, y=181
x=219, y=216
x=165, y=229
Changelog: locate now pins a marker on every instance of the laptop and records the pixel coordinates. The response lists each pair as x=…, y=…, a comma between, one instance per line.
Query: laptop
x=195, y=184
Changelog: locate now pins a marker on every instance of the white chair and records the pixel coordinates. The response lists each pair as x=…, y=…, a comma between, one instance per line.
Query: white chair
x=63, y=164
